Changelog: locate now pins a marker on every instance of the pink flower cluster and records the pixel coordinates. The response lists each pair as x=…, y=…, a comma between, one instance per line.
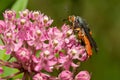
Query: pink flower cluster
x=40, y=49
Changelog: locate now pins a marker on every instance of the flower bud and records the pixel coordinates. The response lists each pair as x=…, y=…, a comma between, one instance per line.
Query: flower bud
x=9, y=35
x=55, y=42
x=46, y=52
x=36, y=14
x=38, y=32
x=22, y=21
x=45, y=19
x=65, y=75
x=73, y=51
x=25, y=13
x=83, y=75
x=69, y=32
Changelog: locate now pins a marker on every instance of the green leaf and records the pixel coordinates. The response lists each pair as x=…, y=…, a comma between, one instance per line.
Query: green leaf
x=8, y=71
x=3, y=55
x=20, y=5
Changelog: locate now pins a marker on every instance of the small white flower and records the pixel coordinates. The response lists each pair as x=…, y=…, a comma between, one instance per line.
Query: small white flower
x=22, y=21
x=73, y=51
x=9, y=34
x=46, y=52
x=55, y=42
x=69, y=32
x=45, y=19
x=36, y=13
x=38, y=32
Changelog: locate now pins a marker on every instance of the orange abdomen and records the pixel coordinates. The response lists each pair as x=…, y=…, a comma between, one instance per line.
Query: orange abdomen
x=86, y=42
x=87, y=46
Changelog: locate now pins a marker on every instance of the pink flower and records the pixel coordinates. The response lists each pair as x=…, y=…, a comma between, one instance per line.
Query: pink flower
x=44, y=63
x=83, y=75
x=66, y=30
x=70, y=41
x=78, y=52
x=35, y=15
x=10, y=47
x=41, y=76
x=9, y=15
x=37, y=39
x=65, y=75
x=2, y=26
x=24, y=29
x=25, y=14
x=56, y=40
x=23, y=55
x=11, y=43
x=47, y=21
x=66, y=62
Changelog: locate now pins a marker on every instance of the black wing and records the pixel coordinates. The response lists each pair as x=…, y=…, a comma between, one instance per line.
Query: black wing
x=87, y=32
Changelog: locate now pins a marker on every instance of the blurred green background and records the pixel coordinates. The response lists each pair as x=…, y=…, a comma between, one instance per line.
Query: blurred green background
x=103, y=17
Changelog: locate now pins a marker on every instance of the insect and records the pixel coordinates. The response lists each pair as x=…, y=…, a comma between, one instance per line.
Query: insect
x=80, y=27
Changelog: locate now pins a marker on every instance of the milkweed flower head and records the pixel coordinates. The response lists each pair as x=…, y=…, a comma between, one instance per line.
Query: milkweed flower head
x=39, y=48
